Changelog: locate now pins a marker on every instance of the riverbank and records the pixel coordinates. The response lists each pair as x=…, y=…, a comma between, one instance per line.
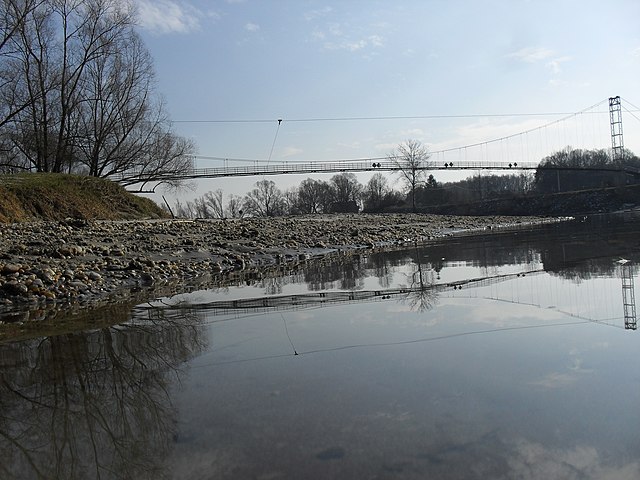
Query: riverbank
x=46, y=267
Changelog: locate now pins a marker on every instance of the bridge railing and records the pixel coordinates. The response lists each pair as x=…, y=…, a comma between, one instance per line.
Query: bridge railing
x=302, y=168
x=284, y=168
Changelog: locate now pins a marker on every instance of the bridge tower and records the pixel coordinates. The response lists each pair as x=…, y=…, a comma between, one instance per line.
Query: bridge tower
x=615, y=115
x=628, y=296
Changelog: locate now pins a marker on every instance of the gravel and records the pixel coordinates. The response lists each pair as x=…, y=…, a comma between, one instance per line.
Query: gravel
x=46, y=265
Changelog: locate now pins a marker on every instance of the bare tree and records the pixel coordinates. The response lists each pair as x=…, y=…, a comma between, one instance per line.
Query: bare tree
x=265, y=200
x=212, y=205
x=347, y=192
x=117, y=97
x=166, y=157
x=33, y=77
x=81, y=83
x=215, y=203
x=375, y=192
x=13, y=15
x=314, y=196
x=59, y=41
x=186, y=210
x=290, y=201
x=234, y=206
x=126, y=130
x=411, y=158
x=201, y=209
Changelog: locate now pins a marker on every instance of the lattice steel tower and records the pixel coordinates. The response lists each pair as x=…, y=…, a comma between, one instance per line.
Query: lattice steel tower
x=628, y=296
x=615, y=115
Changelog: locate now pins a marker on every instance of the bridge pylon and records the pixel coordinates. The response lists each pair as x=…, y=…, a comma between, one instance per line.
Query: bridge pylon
x=615, y=115
x=628, y=296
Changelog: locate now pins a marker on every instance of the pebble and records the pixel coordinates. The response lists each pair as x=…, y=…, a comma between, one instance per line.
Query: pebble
x=78, y=261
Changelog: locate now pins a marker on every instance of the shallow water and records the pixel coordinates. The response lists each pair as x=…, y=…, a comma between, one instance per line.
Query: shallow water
x=505, y=356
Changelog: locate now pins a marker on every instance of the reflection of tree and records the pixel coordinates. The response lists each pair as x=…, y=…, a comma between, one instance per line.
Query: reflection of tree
x=347, y=273
x=382, y=270
x=272, y=285
x=92, y=404
x=569, y=256
x=422, y=295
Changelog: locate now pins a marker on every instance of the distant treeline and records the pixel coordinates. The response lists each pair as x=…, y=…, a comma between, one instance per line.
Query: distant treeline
x=568, y=170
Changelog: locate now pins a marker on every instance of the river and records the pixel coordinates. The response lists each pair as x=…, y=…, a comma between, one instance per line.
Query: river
x=509, y=355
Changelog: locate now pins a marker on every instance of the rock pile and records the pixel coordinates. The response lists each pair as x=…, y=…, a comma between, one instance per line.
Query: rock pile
x=77, y=261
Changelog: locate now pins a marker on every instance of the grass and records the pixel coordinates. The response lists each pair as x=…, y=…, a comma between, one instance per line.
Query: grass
x=52, y=196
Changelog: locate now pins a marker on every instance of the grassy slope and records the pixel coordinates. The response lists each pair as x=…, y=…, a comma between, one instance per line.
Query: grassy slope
x=49, y=196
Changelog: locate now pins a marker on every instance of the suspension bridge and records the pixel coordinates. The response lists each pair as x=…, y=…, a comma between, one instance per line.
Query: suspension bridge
x=591, y=128
x=356, y=166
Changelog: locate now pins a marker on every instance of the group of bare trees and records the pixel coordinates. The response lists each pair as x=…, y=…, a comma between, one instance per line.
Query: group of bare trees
x=77, y=92
x=343, y=193
x=579, y=169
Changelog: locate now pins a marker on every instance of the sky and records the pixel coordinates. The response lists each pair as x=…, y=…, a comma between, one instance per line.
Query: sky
x=334, y=72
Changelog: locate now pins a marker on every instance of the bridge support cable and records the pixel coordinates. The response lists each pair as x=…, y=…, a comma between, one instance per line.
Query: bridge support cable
x=274, y=141
x=629, y=111
x=615, y=115
x=502, y=154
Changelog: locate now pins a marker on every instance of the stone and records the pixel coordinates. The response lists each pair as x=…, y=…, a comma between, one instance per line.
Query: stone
x=15, y=288
x=10, y=268
x=94, y=276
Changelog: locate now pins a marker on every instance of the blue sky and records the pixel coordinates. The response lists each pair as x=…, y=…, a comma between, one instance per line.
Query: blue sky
x=294, y=60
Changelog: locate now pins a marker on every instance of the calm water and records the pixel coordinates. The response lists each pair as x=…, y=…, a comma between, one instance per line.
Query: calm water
x=506, y=356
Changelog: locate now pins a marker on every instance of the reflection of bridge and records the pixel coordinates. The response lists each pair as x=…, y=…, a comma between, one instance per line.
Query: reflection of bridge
x=326, y=298
x=427, y=292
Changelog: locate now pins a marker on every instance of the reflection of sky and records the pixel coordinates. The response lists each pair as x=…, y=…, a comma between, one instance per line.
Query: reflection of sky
x=478, y=383
x=515, y=373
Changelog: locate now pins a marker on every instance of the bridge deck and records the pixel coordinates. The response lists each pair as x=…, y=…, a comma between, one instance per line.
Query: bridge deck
x=337, y=167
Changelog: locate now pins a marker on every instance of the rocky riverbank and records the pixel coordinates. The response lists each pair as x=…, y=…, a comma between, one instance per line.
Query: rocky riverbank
x=47, y=266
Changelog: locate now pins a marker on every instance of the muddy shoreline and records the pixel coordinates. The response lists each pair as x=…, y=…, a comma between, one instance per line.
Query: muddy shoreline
x=51, y=267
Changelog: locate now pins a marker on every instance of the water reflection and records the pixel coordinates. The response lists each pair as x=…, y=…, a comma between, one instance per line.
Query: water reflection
x=470, y=388
x=94, y=404
x=474, y=354
x=628, y=295
x=585, y=249
x=420, y=291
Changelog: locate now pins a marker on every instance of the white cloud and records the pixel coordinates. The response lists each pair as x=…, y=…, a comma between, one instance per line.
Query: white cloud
x=252, y=27
x=636, y=53
x=212, y=14
x=530, y=461
x=376, y=40
x=168, y=16
x=531, y=54
x=337, y=36
x=335, y=29
x=372, y=41
x=291, y=151
x=554, y=64
x=313, y=14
